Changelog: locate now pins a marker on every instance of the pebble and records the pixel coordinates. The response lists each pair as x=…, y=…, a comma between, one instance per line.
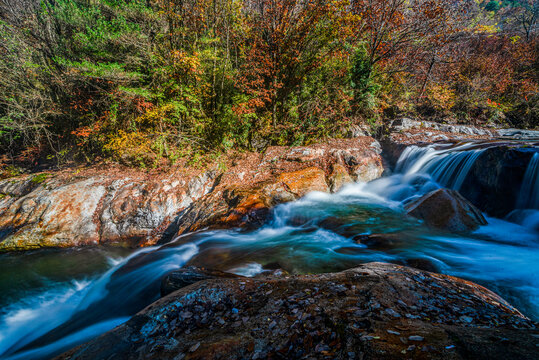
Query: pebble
x=194, y=347
x=392, y=313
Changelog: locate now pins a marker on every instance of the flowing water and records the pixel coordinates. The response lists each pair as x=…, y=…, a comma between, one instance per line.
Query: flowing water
x=52, y=300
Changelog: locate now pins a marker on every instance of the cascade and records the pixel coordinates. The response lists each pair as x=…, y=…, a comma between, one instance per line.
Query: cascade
x=447, y=165
x=529, y=191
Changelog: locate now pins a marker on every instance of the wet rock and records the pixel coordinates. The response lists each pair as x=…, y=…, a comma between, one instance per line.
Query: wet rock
x=422, y=264
x=249, y=207
x=132, y=208
x=181, y=278
x=446, y=209
x=338, y=178
x=323, y=316
x=494, y=180
x=380, y=241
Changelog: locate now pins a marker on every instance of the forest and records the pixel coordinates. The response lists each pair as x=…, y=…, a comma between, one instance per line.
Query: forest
x=148, y=82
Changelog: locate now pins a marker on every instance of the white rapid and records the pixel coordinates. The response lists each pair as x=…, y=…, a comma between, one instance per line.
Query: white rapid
x=84, y=308
x=529, y=191
x=447, y=164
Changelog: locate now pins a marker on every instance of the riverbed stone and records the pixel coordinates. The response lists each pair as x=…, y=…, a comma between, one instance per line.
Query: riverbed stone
x=446, y=209
x=189, y=275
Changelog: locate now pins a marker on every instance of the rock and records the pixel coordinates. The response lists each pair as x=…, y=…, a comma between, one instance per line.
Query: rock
x=181, y=278
x=64, y=212
x=494, y=180
x=304, y=181
x=304, y=154
x=404, y=124
x=519, y=134
x=422, y=264
x=381, y=242
x=230, y=207
x=133, y=208
x=367, y=171
x=446, y=209
x=338, y=178
x=237, y=206
x=409, y=124
x=323, y=316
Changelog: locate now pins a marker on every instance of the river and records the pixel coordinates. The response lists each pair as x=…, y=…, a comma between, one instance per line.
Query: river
x=52, y=300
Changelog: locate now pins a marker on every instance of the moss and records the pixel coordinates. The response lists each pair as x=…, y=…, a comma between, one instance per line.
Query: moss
x=40, y=178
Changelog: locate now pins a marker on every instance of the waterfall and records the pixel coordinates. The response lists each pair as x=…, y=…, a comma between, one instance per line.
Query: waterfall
x=448, y=166
x=529, y=191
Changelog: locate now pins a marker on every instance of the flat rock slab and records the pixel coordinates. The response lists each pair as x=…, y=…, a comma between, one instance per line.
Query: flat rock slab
x=374, y=311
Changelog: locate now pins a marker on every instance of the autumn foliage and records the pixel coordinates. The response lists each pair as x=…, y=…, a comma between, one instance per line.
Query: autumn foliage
x=140, y=81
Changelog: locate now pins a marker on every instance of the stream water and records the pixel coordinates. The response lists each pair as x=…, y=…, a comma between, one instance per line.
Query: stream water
x=52, y=300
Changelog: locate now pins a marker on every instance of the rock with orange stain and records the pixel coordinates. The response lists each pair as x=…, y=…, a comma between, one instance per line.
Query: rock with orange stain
x=338, y=178
x=60, y=212
x=132, y=208
x=238, y=206
x=304, y=181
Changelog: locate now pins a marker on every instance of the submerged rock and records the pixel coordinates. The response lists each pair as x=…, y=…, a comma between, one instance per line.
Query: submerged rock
x=374, y=311
x=446, y=209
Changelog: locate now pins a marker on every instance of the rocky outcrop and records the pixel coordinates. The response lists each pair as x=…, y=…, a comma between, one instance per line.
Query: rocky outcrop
x=405, y=124
x=134, y=208
x=493, y=182
x=519, y=134
x=283, y=175
x=374, y=311
x=446, y=209
x=238, y=206
x=64, y=212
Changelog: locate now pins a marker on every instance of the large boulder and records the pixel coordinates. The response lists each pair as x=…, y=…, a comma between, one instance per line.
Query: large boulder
x=249, y=206
x=100, y=209
x=374, y=311
x=494, y=180
x=446, y=209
